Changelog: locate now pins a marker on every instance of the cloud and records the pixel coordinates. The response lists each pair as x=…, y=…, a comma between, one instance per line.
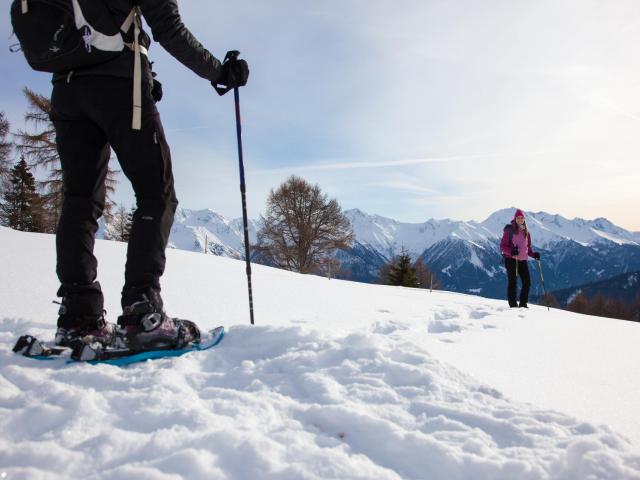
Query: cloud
x=482, y=103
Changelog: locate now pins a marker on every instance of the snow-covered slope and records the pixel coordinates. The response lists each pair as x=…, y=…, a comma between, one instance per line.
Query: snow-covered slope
x=336, y=380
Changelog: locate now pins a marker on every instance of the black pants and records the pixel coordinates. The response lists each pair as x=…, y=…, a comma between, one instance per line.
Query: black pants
x=523, y=273
x=90, y=115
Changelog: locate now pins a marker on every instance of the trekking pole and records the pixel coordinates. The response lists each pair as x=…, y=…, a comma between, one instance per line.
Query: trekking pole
x=232, y=56
x=544, y=290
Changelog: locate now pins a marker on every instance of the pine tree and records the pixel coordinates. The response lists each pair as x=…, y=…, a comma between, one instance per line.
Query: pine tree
x=19, y=207
x=40, y=150
x=120, y=224
x=5, y=146
x=402, y=273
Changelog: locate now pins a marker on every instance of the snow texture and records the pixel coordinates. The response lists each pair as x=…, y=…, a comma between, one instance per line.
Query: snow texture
x=337, y=380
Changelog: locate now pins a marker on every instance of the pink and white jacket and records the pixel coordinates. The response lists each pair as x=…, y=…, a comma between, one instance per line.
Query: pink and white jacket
x=514, y=236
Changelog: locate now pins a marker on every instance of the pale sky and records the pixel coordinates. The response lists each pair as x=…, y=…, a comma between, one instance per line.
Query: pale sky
x=408, y=109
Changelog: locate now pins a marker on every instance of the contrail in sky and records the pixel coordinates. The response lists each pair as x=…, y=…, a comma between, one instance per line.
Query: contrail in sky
x=384, y=164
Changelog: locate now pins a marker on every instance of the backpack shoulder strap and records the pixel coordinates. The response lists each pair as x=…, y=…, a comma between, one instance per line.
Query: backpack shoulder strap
x=510, y=227
x=134, y=19
x=126, y=25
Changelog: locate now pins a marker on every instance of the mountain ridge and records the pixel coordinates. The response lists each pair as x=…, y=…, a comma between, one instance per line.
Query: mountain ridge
x=464, y=254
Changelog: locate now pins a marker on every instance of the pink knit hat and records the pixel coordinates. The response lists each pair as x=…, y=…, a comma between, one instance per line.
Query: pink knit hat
x=519, y=213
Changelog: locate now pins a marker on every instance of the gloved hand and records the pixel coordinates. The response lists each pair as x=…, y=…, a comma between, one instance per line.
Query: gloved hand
x=156, y=91
x=515, y=251
x=234, y=73
x=536, y=255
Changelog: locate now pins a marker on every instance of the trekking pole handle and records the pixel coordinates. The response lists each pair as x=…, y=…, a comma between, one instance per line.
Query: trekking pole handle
x=231, y=56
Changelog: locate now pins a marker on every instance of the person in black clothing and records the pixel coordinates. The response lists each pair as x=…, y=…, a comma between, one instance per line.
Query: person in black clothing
x=92, y=112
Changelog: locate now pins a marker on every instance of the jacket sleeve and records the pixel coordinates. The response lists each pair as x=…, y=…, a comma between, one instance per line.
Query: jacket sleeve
x=505, y=248
x=530, y=250
x=167, y=28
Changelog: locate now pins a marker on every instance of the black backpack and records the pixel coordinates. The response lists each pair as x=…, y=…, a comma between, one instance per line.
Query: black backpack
x=510, y=227
x=57, y=36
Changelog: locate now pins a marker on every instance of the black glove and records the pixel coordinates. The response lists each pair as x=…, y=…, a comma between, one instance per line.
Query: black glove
x=156, y=87
x=515, y=251
x=234, y=73
x=156, y=90
x=536, y=256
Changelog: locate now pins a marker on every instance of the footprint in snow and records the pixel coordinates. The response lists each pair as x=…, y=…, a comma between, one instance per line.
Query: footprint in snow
x=439, y=326
x=445, y=315
x=478, y=314
x=387, y=327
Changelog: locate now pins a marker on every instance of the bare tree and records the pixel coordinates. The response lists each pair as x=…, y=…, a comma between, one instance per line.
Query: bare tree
x=579, y=304
x=330, y=266
x=549, y=300
x=426, y=277
x=39, y=148
x=616, y=308
x=302, y=227
x=634, y=309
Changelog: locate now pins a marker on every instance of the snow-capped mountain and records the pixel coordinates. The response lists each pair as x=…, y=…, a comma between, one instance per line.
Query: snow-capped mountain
x=210, y=232
x=388, y=236
x=464, y=254
x=466, y=257
x=547, y=229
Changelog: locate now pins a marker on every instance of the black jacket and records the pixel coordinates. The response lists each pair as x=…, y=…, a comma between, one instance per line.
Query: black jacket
x=167, y=28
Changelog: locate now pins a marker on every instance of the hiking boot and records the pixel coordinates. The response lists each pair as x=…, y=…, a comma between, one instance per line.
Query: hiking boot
x=94, y=330
x=147, y=327
x=81, y=316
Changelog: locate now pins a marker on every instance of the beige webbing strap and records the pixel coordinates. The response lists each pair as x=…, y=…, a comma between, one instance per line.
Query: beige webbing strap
x=25, y=6
x=126, y=25
x=136, y=122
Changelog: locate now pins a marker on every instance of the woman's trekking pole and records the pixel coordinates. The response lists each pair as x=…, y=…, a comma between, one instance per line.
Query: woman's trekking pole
x=232, y=56
x=544, y=290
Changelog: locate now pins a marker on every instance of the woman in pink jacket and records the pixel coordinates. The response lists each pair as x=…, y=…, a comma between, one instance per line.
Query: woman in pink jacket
x=516, y=250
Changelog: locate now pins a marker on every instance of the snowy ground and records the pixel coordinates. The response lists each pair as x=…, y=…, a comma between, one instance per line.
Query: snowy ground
x=337, y=380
